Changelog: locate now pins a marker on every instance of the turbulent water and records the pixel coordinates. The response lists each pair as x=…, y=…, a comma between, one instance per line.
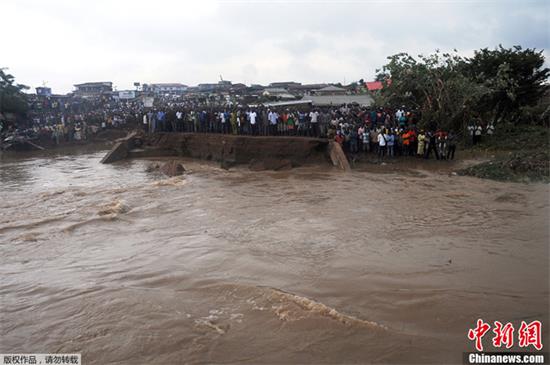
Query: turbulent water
x=312, y=265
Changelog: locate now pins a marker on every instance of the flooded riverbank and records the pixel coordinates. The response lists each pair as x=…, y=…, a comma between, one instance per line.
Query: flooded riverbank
x=304, y=266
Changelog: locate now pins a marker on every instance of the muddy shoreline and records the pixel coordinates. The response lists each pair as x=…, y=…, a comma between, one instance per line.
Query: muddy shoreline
x=364, y=163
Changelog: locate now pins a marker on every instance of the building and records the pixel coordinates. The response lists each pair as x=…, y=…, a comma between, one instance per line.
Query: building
x=91, y=89
x=276, y=104
x=278, y=93
x=224, y=85
x=125, y=94
x=285, y=84
x=306, y=88
x=207, y=88
x=192, y=89
x=337, y=100
x=165, y=88
x=238, y=88
x=331, y=90
x=375, y=85
x=43, y=91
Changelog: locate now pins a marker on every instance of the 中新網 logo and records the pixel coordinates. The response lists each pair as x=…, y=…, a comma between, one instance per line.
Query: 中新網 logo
x=528, y=334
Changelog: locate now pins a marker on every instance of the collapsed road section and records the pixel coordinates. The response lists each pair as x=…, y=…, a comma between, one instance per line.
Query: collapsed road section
x=229, y=150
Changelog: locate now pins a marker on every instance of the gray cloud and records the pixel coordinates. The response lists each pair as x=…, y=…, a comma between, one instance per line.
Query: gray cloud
x=64, y=42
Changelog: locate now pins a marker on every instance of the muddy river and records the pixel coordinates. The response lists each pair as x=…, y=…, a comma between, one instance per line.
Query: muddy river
x=381, y=265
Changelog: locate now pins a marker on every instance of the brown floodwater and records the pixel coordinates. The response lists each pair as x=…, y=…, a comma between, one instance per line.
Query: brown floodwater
x=387, y=264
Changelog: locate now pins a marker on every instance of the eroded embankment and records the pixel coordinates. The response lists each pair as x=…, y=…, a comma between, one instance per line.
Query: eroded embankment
x=525, y=166
x=229, y=150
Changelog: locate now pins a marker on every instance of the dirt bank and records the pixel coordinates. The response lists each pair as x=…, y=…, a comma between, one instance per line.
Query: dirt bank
x=229, y=150
x=527, y=166
x=520, y=155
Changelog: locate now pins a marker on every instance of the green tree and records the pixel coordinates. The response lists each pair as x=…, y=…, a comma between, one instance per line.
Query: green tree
x=12, y=98
x=498, y=85
x=433, y=85
x=515, y=76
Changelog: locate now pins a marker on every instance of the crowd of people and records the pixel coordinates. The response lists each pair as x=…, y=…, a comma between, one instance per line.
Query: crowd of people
x=397, y=141
x=380, y=131
x=60, y=120
x=384, y=132
x=242, y=121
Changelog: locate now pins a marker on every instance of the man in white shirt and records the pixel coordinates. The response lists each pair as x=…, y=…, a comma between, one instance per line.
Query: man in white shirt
x=314, y=120
x=272, y=116
x=478, y=132
x=179, y=121
x=145, y=123
x=221, y=117
x=381, y=144
x=252, y=118
x=490, y=129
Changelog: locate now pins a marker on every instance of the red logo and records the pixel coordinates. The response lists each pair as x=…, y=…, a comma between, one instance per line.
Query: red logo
x=528, y=334
x=503, y=335
x=478, y=332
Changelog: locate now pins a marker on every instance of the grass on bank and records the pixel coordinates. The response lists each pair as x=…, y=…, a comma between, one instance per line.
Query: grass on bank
x=522, y=156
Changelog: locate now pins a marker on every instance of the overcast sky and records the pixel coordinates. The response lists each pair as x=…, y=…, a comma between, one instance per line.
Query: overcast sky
x=63, y=42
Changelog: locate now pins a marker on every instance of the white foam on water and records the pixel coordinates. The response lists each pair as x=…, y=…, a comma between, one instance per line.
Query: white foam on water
x=115, y=207
x=285, y=311
x=173, y=181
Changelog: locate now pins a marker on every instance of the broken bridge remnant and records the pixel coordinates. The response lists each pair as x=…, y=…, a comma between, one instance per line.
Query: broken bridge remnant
x=230, y=150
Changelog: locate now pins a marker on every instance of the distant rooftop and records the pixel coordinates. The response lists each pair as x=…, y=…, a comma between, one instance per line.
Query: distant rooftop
x=332, y=88
x=98, y=83
x=284, y=84
x=168, y=84
x=275, y=90
x=376, y=85
x=327, y=100
x=288, y=103
x=308, y=86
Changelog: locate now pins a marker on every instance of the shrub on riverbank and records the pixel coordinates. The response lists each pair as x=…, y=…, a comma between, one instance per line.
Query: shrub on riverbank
x=527, y=157
x=528, y=166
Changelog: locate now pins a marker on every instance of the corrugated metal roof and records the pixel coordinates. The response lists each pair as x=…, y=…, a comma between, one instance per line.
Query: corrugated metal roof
x=286, y=103
x=376, y=85
x=167, y=84
x=325, y=100
x=98, y=83
x=331, y=88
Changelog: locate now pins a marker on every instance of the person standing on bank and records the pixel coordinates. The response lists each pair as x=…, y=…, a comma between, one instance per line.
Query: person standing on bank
x=451, y=145
x=253, y=123
x=314, y=116
x=490, y=130
x=390, y=143
x=366, y=139
x=471, y=132
x=421, y=144
x=381, y=144
x=431, y=145
x=478, y=133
